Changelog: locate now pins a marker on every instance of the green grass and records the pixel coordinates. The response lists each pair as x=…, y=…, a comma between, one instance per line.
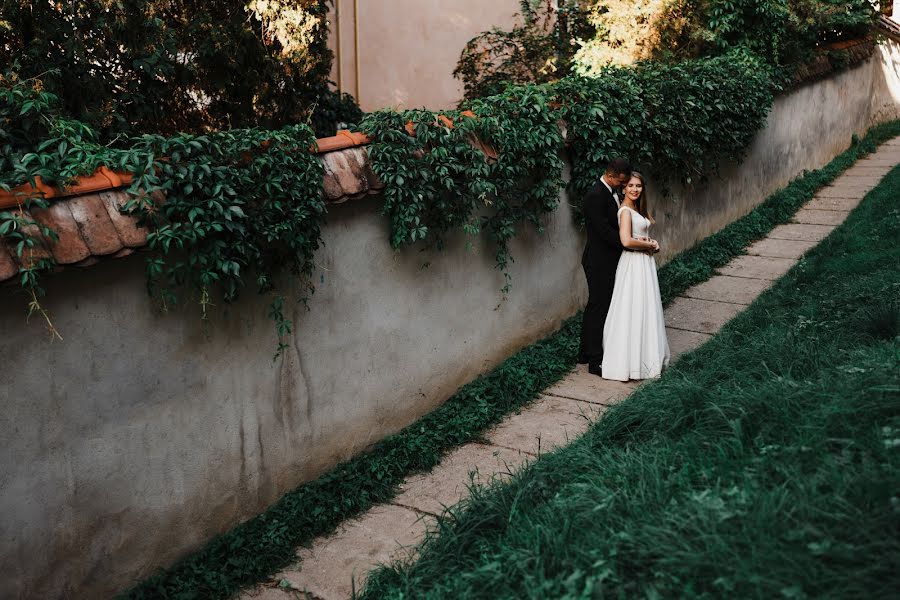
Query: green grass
x=261, y=546
x=764, y=464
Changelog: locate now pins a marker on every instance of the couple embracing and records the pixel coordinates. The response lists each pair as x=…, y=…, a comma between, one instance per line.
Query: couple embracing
x=623, y=335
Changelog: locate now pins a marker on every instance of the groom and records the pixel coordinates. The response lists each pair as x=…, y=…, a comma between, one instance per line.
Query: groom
x=601, y=255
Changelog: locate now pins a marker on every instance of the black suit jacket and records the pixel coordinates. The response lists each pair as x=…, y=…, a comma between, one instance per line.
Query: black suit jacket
x=601, y=254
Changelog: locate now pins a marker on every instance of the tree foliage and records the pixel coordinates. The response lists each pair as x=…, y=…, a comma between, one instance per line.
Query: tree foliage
x=584, y=37
x=128, y=66
x=538, y=49
x=784, y=33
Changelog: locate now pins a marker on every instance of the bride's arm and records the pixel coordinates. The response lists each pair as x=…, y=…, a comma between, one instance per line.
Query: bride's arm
x=629, y=242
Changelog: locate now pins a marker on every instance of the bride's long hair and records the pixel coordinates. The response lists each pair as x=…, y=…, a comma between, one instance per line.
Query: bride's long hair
x=642, y=199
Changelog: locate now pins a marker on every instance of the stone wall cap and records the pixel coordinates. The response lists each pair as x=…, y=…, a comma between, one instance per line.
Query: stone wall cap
x=90, y=225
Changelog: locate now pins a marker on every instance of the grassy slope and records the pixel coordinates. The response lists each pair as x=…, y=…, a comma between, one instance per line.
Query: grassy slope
x=261, y=546
x=764, y=464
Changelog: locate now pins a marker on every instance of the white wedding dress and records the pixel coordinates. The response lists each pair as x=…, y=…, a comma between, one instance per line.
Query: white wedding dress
x=634, y=336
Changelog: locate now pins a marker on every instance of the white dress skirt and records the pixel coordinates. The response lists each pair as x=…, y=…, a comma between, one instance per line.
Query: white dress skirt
x=634, y=335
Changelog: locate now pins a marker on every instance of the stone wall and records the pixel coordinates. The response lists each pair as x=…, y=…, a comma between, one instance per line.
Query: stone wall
x=143, y=434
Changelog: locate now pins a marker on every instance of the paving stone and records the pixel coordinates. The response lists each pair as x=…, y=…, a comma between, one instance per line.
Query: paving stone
x=871, y=174
x=722, y=288
x=581, y=385
x=845, y=191
x=873, y=171
x=703, y=316
x=682, y=341
x=549, y=423
x=449, y=482
x=855, y=182
x=757, y=267
x=819, y=217
x=841, y=204
x=801, y=232
x=272, y=592
x=887, y=154
x=775, y=248
x=329, y=569
x=876, y=161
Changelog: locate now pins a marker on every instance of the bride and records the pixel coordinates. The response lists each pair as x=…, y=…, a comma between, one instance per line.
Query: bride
x=634, y=335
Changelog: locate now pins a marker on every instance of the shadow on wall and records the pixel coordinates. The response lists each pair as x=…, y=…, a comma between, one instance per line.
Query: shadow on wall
x=887, y=82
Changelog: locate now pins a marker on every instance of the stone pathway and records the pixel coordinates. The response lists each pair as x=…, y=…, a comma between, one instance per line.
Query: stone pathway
x=336, y=565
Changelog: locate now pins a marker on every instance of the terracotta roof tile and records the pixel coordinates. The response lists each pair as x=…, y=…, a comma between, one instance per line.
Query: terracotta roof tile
x=352, y=183
x=90, y=261
x=36, y=253
x=69, y=248
x=331, y=188
x=358, y=158
x=8, y=266
x=96, y=227
x=126, y=225
x=91, y=226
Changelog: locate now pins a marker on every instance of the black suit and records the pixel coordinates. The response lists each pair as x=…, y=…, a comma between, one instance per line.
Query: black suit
x=600, y=258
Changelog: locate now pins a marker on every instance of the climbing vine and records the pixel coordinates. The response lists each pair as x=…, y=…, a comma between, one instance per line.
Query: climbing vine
x=241, y=205
x=680, y=122
x=490, y=170
x=244, y=206
x=222, y=209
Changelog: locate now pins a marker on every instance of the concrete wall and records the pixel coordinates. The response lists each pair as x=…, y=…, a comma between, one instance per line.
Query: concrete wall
x=408, y=48
x=804, y=131
x=143, y=434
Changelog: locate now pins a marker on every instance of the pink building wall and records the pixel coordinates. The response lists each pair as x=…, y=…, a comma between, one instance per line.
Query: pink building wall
x=407, y=49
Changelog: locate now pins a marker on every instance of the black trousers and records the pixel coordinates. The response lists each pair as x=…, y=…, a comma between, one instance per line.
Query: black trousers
x=601, y=281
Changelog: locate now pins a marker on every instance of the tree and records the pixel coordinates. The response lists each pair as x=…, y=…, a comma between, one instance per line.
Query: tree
x=126, y=66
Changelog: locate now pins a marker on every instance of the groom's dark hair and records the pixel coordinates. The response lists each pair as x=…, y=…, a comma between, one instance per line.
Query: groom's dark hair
x=619, y=166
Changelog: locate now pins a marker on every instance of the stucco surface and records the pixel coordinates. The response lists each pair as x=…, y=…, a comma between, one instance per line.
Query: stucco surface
x=409, y=48
x=143, y=434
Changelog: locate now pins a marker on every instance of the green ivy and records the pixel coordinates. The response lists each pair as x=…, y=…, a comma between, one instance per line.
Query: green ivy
x=439, y=179
x=237, y=203
x=240, y=205
x=245, y=205
x=680, y=122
